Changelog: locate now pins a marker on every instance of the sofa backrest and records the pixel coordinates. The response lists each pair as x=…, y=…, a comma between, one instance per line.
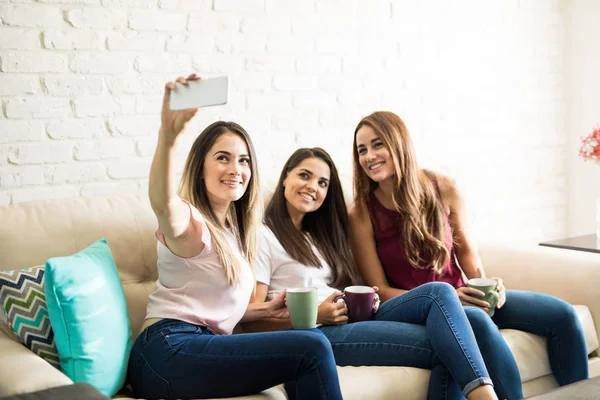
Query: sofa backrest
x=34, y=231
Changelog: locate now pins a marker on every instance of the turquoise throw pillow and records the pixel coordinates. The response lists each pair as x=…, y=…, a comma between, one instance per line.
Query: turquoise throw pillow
x=88, y=313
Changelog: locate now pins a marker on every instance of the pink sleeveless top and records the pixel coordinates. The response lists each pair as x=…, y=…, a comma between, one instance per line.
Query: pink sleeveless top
x=195, y=289
x=390, y=249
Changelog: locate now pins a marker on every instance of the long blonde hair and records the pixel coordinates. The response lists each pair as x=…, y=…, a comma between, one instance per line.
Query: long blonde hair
x=244, y=215
x=414, y=196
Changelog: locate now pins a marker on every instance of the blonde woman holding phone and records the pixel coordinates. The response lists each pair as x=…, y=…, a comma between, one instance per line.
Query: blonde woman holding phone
x=206, y=242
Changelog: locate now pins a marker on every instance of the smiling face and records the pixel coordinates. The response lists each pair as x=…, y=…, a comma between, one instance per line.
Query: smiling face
x=306, y=187
x=373, y=156
x=226, y=171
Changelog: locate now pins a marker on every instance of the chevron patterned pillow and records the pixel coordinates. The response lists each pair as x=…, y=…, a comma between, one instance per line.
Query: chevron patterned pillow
x=24, y=304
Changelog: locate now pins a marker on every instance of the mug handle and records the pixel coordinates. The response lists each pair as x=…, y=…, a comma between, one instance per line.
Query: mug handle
x=495, y=299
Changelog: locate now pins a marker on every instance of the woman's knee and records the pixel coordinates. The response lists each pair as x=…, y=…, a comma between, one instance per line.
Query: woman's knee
x=314, y=343
x=442, y=290
x=480, y=321
x=565, y=314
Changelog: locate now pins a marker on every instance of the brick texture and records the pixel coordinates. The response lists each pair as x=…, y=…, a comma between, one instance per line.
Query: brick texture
x=81, y=85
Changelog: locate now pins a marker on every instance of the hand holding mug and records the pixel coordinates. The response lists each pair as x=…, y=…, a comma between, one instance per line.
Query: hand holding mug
x=472, y=297
x=332, y=313
x=488, y=293
x=361, y=301
x=277, y=307
x=501, y=291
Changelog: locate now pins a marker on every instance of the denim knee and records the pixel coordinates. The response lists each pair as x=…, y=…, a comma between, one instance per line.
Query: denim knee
x=319, y=343
x=565, y=315
x=443, y=290
x=314, y=344
x=480, y=320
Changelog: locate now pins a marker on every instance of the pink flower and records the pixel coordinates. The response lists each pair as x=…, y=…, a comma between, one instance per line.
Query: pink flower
x=590, y=146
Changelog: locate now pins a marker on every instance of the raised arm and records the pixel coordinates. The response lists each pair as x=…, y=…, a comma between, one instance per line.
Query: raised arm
x=362, y=242
x=172, y=213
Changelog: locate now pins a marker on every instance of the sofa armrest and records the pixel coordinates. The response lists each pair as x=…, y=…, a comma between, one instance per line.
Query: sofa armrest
x=22, y=371
x=573, y=276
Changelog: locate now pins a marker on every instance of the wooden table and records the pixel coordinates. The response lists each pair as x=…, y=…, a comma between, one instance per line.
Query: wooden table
x=589, y=243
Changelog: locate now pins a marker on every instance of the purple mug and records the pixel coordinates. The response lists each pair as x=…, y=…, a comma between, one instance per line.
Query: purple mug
x=360, y=301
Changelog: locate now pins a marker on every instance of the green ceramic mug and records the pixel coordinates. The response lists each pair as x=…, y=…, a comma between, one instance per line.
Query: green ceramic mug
x=302, y=306
x=487, y=286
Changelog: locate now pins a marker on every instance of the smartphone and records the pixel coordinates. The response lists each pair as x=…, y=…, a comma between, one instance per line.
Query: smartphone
x=201, y=93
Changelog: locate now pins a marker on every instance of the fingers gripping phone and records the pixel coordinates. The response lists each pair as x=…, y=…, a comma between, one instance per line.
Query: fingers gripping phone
x=200, y=93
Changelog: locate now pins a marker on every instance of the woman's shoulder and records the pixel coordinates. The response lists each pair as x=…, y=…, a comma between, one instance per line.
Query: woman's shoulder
x=264, y=232
x=359, y=219
x=447, y=185
x=266, y=237
x=356, y=212
x=195, y=212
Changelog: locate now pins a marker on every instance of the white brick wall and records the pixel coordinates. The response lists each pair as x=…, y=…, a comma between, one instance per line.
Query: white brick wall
x=479, y=84
x=583, y=83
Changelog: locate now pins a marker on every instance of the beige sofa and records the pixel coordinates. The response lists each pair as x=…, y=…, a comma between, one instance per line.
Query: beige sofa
x=34, y=231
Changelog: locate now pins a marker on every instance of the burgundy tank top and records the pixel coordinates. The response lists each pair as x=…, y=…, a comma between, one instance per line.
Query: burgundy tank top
x=390, y=249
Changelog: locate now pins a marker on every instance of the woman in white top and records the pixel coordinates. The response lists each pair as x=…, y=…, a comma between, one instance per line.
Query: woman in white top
x=206, y=243
x=305, y=243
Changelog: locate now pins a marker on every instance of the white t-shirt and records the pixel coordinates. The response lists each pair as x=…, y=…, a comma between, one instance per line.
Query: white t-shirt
x=275, y=267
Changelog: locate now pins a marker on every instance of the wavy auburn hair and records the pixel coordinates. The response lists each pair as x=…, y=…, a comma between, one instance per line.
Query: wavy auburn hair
x=244, y=214
x=421, y=214
x=327, y=227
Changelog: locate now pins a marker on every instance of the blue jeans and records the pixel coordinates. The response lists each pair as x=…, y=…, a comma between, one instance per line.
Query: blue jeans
x=176, y=360
x=536, y=313
x=424, y=328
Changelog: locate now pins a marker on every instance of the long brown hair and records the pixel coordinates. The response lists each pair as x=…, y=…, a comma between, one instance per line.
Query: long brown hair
x=414, y=197
x=327, y=227
x=244, y=214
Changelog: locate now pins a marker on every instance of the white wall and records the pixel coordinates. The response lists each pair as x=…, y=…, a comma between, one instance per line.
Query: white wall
x=479, y=84
x=583, y=83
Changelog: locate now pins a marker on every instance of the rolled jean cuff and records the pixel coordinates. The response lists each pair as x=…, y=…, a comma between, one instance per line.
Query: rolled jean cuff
x=475, y=384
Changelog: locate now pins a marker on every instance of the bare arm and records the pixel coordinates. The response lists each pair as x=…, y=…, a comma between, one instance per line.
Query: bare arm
x=263, y=321
x=362, y=242
x=172, y=213
x=465, y=247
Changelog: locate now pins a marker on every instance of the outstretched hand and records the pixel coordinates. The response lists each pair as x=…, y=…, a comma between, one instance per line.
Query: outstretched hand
x=174, y=122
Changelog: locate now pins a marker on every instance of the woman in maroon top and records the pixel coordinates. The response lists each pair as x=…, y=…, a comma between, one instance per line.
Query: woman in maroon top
x=408, y=227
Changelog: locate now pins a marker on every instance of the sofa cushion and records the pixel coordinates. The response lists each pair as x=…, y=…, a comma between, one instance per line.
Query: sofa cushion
x=24, y=307
x=87, y=309
x=587, y=324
